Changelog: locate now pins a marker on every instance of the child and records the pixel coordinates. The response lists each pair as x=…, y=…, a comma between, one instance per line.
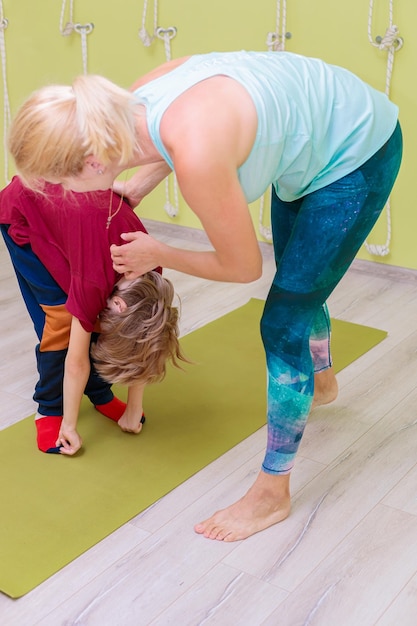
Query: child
x=59, y=246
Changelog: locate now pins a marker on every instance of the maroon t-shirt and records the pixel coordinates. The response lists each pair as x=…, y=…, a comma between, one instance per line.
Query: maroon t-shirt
x=67, y=232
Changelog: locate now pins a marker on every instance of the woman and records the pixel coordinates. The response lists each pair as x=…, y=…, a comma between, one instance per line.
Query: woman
x=59, y=246
x=230, y=125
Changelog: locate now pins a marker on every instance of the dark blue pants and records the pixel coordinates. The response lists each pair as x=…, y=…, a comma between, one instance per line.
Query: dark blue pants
x=315, y=240
x=45, y=302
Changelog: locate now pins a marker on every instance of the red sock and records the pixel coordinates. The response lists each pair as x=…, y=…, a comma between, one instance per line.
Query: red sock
x=48, y=428
x=113, y=409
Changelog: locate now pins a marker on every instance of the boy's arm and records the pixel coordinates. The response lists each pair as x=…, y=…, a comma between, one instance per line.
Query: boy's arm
x=76, y=373
x=130, y=421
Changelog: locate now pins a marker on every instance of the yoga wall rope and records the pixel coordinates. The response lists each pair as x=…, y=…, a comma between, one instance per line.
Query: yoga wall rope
x=81, y=29
x=144, y=35
x=166, y=35
x=275, y=42
x=6, y=104
x=392, y=43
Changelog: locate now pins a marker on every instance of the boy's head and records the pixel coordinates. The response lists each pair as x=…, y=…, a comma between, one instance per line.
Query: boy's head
x=139, y=332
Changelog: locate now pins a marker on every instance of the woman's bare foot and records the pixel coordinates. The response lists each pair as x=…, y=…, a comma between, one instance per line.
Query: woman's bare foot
x=266, y=503
x=325, y=388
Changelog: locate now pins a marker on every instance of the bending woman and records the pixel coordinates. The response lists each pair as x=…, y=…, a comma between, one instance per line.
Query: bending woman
x=231, y=125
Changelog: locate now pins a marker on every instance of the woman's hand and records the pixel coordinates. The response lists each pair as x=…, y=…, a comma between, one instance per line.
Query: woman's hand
x=138, y=256
x=68, y=440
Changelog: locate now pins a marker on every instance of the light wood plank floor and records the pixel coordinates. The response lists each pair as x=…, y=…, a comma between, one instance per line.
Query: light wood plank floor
x=346, y=556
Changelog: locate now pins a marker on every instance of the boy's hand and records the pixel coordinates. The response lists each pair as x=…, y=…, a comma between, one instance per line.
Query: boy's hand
x=69, y=441
x=131, y=424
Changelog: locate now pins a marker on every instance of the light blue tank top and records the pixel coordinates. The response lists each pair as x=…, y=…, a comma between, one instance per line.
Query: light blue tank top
x=316, y=122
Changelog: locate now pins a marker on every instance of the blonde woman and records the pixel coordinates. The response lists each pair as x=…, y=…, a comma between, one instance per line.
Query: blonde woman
x=231, y=125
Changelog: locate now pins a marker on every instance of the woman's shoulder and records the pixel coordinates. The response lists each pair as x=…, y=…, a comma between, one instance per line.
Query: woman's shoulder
x=159, y=71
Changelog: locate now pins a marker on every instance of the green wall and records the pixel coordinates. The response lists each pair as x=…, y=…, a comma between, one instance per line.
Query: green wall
x=37, y=53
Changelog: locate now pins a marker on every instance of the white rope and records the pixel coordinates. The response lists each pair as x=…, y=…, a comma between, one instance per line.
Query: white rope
x=172, y=209
x=265, y=231
x=68, y=28
x=81, y=29
x=6, y=105
x=166, y=35
x=144, y=35
x=392, y=43
x=275, y=42
x=84, y=30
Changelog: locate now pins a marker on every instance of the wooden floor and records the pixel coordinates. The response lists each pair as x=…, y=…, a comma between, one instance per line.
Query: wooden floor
x=347, y=555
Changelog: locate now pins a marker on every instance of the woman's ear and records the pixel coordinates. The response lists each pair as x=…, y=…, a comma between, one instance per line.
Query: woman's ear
x=95, y=165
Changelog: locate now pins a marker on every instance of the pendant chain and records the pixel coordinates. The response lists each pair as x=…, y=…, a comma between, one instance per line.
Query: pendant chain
x=111, y=215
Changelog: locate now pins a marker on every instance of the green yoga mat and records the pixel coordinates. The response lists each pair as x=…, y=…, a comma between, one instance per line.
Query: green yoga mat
x=193, y=417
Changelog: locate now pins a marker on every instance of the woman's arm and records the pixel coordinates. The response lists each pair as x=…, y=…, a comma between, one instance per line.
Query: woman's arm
x=235, y=258
x=209, y=132
x=209, y=184
x=76, y=373
x=215, y=195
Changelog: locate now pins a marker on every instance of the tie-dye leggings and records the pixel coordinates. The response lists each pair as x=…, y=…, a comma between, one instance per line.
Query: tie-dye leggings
x=315, y=240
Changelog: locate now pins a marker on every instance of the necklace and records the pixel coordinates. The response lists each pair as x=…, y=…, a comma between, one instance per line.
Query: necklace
x=111, y=215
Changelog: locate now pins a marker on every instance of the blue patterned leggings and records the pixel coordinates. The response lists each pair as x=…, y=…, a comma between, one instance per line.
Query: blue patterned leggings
x=315, y=240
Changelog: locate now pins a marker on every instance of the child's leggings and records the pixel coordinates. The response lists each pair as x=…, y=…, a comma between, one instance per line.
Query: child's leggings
x=45, y=302
x=315, y=240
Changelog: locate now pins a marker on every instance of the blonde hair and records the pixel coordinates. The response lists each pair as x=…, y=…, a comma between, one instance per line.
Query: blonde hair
x=135, y=345
x=58, y=126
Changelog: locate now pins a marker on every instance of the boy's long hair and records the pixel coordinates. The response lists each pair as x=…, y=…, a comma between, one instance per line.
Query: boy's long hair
x=135, y=345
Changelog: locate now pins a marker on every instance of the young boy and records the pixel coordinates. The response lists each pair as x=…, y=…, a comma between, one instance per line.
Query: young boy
x=59, y=245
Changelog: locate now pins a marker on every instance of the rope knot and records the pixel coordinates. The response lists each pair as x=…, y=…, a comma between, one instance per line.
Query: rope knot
x=377, y=250
x=273, y=41
x=146, y=38
x=390, y=40
x=67, y=30
x=170, y=209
